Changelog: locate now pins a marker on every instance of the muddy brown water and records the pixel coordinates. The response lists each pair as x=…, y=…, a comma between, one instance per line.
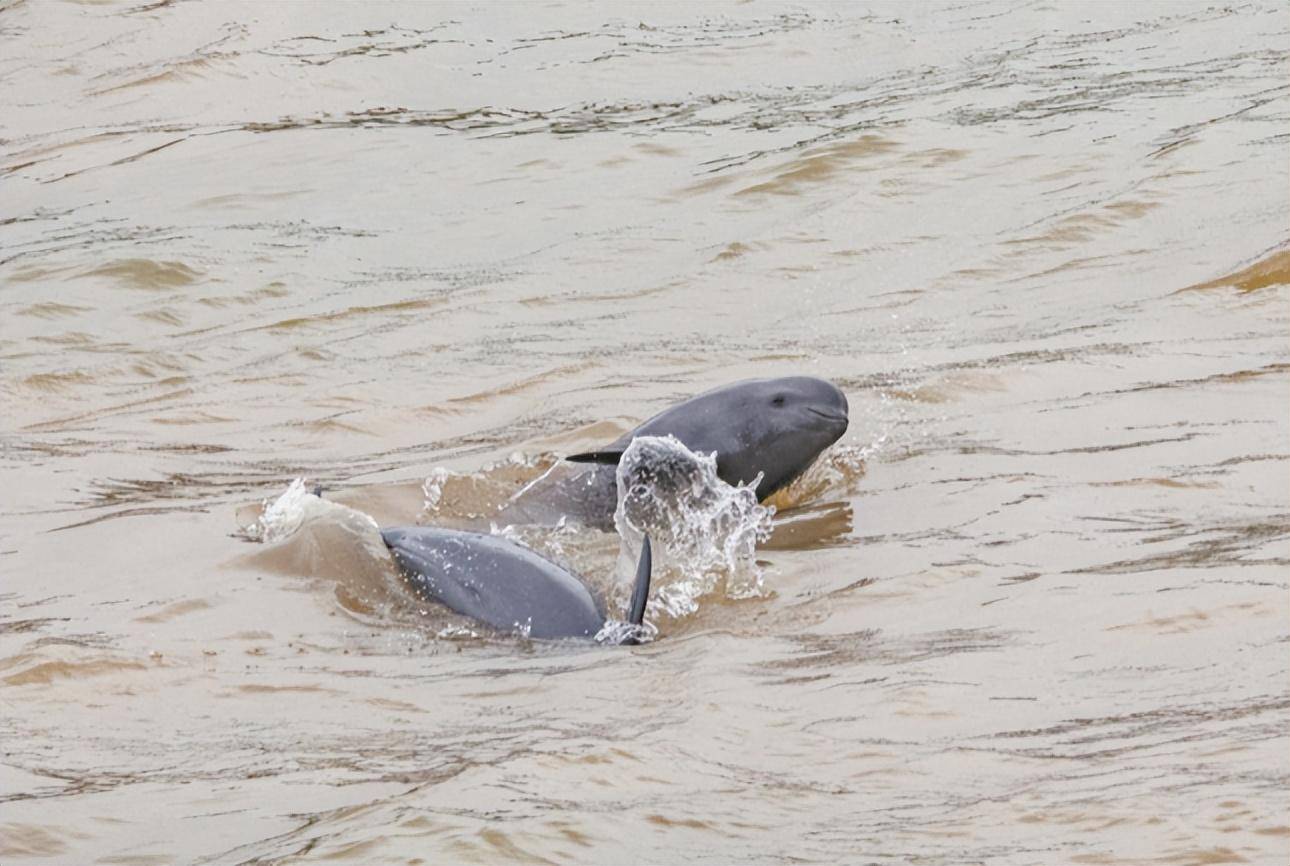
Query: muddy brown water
x=1039, y=615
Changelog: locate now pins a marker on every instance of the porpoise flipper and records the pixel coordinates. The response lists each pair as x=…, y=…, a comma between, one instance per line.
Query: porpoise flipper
x=640, y=592
x=607, y=457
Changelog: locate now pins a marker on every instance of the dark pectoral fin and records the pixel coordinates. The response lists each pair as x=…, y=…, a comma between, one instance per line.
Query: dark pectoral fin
x=640, y=592
x=607, y=457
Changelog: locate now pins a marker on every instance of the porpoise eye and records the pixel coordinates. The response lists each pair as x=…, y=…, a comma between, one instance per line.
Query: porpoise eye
x=778, y=401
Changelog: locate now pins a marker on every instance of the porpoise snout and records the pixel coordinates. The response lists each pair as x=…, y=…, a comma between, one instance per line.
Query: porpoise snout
x=837, y=401
x=831, y=405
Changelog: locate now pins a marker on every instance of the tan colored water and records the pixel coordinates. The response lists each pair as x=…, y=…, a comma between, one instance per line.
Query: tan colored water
x=1041, y=246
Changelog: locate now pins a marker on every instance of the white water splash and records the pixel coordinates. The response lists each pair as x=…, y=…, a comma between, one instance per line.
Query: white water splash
x=616, y=632
x=283, y=517
x=432, y=490
x=704, y=531
x=457, y=632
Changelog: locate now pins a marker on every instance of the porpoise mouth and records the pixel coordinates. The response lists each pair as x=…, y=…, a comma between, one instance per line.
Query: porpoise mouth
x=832, y=417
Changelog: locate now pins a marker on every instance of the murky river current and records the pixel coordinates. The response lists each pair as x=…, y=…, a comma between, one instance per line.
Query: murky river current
x=1032, y=609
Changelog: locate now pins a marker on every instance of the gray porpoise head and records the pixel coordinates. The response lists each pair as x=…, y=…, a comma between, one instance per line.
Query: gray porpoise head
x=495, y=581
x=773, y=426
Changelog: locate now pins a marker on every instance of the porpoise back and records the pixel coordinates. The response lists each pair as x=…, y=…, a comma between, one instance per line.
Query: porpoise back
x=503, y=584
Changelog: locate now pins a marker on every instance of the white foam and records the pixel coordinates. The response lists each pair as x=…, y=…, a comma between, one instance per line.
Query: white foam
x=704, y=531
x=432, y=490
x=282, y=517
x=616, y=632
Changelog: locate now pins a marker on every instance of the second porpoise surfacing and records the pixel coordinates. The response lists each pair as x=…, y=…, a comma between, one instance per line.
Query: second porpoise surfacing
x=772, y=427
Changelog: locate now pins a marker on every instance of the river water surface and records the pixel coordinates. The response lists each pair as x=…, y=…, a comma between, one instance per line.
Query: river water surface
x=1032, y=609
